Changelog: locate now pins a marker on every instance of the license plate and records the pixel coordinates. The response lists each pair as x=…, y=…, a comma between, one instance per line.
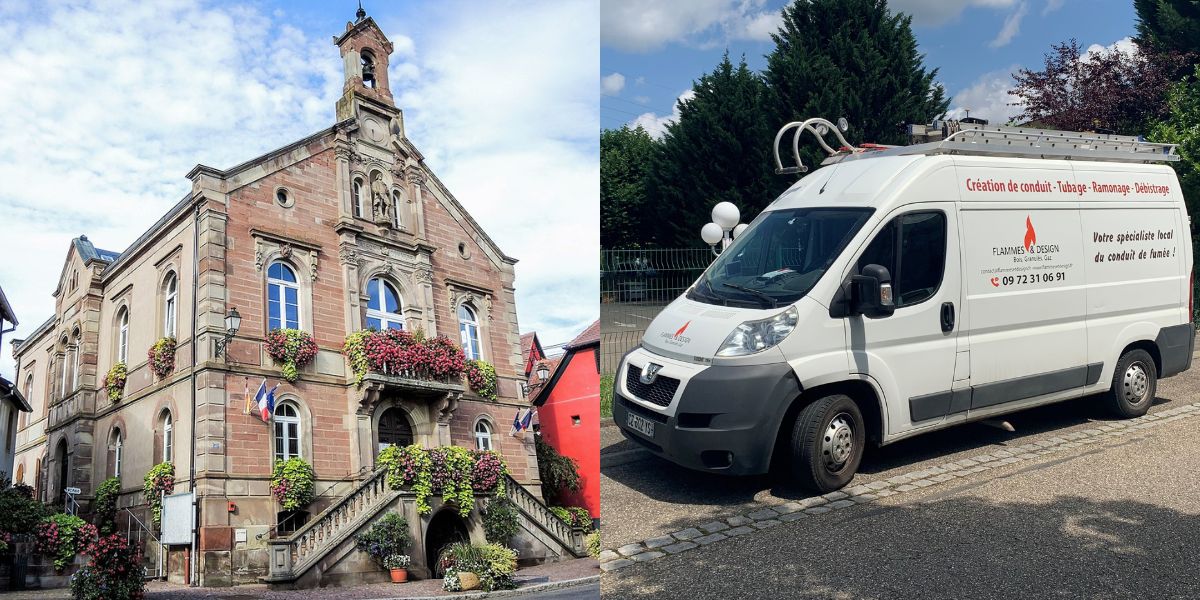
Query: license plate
x=640, y=424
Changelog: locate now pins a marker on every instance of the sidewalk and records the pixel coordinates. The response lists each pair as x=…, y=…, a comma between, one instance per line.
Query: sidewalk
x=1117, y=518
x=530, y=580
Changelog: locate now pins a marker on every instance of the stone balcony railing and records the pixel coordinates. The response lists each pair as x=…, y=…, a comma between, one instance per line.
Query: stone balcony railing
x=80, y=403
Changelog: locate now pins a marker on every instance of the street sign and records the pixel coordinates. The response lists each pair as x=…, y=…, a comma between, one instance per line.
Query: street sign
x=74, y=491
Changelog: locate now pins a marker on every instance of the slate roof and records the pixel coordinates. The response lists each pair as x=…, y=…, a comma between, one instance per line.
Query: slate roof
x=88, y=252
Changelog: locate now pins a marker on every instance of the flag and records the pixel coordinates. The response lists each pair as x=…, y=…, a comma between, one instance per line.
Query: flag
x=258, y=395
x=517, y=421
x=528, y=418
x=266, y=401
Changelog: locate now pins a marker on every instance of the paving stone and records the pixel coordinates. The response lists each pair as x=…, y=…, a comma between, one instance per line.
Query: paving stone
x=855, y=490
x=899, y=479
x=630, y=549
x=943, y=477
x=647, y=556
x=1027, y=456
x=936, y=470
x=615, y=564
x=713, y=527
x=704, y=540
x=761, y=514
x=767, y=523
x=607, y=555
x=877, y=485
x=831, y=496
x=817, y=510
x=886, y=493
x=908, y=487
x=680, y=547
x=811, y=502
x=796, y=516
x=743, y=530
x=966, y=462
x=840, y=504
x=1003, y=453
x=690, y=533
x=864, y=498
x=788, y=508
x=925, y=482
x=738, y=521
x=659, y=542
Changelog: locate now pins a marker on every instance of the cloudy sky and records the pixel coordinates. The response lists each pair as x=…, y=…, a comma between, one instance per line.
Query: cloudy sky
x=107, y=104
x=652, y=51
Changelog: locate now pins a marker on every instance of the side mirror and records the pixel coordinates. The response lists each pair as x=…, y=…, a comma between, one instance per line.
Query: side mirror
x=871, y=292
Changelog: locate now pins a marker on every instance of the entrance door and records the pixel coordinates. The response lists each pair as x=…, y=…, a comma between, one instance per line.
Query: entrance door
x=445, y=528
x=394, y=428
x=911, y=353
x=60, y=455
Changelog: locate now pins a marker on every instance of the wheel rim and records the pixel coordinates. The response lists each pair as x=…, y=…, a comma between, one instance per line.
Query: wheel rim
x=1135, y=385
x=837, y=444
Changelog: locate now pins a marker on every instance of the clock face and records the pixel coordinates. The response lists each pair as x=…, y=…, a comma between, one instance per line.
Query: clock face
x=373, y=129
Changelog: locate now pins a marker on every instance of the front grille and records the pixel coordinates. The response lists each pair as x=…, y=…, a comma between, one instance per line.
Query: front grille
x=660, y=392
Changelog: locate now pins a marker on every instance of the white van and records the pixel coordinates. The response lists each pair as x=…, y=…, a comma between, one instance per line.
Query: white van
x=903, y=290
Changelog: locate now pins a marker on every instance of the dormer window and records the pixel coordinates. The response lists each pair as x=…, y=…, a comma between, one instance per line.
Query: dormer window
x=368, y=68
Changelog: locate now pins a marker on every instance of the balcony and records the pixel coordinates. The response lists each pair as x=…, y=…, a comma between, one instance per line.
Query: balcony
x=79, y=403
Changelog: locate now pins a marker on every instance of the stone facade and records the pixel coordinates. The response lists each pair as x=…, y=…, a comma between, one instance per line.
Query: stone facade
x=349, y=204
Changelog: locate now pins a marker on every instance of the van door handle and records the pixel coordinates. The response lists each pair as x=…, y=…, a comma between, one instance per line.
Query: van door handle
x=947, y=316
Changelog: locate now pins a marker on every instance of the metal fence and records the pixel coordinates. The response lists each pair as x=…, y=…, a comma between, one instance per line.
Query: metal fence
x=634, y=286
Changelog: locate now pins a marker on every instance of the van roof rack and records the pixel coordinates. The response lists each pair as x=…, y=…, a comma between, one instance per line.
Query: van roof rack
x=980, y=139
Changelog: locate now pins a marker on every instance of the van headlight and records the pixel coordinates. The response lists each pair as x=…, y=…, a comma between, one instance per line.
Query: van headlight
x=756, y=336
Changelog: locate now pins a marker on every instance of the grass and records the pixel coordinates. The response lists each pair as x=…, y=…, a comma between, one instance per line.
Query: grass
x=606, y=395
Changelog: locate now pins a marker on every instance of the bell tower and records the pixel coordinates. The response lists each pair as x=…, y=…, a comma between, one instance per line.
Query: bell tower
x=365, y=51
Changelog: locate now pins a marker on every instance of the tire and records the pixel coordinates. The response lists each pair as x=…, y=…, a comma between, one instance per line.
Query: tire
x=827, y=443
x=1134, y=384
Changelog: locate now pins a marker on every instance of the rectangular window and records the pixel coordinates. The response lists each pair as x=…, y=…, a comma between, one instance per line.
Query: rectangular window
x=918, y=239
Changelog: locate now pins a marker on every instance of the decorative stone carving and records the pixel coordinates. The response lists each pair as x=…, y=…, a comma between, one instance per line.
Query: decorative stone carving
x=459, y=296
x=312, y=264
x=343, y=153
x=348, y=254
x=285, y=250
x=258, y=254
x=423, y=275
x=445, y=407
x=416, y=175
x=381, y=204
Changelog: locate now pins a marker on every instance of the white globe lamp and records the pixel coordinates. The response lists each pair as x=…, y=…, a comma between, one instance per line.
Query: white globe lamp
x=711, y=234
x=726, y=215
x=739, y=229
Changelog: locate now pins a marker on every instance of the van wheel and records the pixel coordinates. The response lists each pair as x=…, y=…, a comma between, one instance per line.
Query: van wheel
x=1134, y=384
x=827, y=443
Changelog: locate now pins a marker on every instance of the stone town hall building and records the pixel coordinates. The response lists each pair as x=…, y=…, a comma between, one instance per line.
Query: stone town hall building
x=344, y=230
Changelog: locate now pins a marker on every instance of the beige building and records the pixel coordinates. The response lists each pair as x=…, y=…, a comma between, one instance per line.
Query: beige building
x=344, y=230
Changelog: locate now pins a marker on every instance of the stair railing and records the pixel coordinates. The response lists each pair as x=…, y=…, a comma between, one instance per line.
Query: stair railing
x=570, y=537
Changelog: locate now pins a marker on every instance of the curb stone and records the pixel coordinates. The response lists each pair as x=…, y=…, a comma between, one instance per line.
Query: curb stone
x=770, y=516
x=541, y=587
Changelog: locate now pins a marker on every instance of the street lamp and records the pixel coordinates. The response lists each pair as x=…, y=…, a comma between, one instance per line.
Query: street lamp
x=724, y=227
x=233, y=322
x=543, y=372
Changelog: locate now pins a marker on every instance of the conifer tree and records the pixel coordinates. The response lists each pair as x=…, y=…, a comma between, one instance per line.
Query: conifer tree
x=625, y=156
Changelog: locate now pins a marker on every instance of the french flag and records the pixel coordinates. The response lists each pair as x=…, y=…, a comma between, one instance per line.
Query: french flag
x=520, y=424
x=266, y=401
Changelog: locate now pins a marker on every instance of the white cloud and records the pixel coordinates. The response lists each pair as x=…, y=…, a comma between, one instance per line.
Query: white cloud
x=987, y=98
x=106, y=106
x=656, y=125
x=934, y=13
x=1011, y=27
x=1125, y=45
x=1052, y=5
x=612, y=84
x=646, y=25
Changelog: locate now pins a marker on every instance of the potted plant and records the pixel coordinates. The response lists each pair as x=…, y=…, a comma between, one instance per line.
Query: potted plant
x=397, y=564
x=385, y=542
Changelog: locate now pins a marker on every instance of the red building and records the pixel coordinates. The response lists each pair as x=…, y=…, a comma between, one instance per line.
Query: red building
x=569, y=413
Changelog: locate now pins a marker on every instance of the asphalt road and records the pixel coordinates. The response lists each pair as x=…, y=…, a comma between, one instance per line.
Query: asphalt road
x=1117, y=519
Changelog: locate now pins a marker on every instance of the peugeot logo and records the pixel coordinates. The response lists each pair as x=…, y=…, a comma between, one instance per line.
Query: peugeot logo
x=650, y=373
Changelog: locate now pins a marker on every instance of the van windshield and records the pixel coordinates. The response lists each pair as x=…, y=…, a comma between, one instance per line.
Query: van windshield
x=779, y=257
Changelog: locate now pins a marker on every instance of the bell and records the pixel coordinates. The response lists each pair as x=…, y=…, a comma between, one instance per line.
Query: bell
x=368, y=72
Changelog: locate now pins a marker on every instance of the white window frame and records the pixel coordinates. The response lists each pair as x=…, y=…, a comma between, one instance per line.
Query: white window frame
x=469, y=327
x=285, y=421
x=281, y=285
x=385, y=318
x=118, y=448
x=75, y=362
x=170, y=304
x=123, y=335
x=483, y=439
x=356, y=188
x=168, y=436
x=399, y=222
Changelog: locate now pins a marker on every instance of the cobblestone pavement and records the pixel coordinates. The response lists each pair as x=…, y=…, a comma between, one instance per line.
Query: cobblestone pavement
x=541, y=581
x=1100, y=508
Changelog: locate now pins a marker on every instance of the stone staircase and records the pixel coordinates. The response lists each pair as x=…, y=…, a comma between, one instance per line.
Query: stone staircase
x=319, y=553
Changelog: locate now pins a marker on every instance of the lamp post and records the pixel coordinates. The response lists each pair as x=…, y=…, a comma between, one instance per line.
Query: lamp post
x=233, y=322
x=543, y=372
x=724, y=227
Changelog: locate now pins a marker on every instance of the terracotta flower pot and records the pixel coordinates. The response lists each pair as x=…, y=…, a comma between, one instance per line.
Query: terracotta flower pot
x=399, y=575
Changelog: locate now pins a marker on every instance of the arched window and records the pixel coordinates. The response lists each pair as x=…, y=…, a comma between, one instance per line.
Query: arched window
x=396, y=208
x=28, y=397
x=383, y=306
x=283, y=297
x=116, y=446
x=287, y=431
x=468, y=329
x=168, y=437
x=394, y=428
x=76, y=342
x=20, y=473
x=483, y=435
x=368, y=68
x=123, y=335
x=170, y=301
x=64, y=377
x=357, y=196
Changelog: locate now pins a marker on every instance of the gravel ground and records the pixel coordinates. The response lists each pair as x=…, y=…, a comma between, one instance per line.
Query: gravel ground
x=531, y=576
x=643, y=496
x=1116, y=519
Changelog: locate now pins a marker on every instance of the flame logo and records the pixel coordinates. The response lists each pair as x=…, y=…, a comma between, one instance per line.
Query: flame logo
x=1030, y=234
x=682, y=329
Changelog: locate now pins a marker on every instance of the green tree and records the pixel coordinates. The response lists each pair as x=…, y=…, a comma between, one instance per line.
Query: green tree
x=624, y=159
x=1168, y=26
x=853, y=59
x=718, y=150
x=1182, y=127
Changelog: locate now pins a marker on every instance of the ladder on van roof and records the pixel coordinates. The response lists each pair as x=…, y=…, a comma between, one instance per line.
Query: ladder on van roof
x=956, y=137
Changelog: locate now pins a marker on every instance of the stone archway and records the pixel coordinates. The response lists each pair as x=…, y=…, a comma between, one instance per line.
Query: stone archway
x=445, y=528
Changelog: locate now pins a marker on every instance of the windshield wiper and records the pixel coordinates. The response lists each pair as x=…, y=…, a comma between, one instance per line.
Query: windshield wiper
x=771, y=303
